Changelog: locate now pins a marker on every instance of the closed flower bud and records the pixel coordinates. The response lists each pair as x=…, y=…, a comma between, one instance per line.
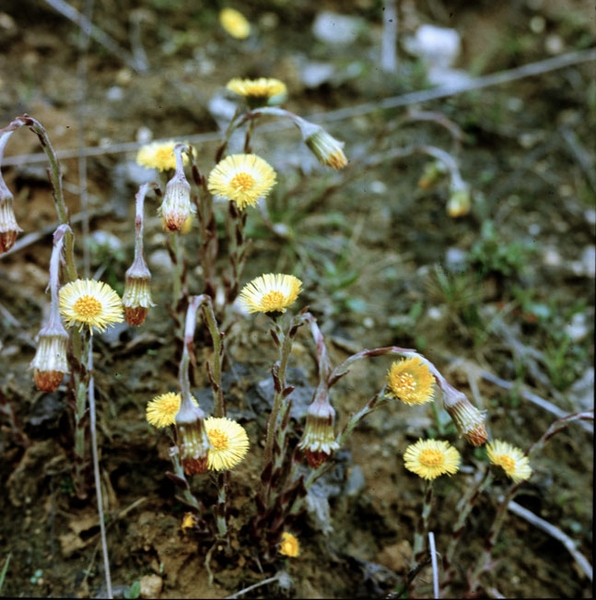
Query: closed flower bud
x=325, y=147
x=466, y=417
x=9, y=230
x=137, y=292
x=176, y=207
x=193, y=441
x=318, y=441
x=8, y=223
x=50, y=363
x=460, y=201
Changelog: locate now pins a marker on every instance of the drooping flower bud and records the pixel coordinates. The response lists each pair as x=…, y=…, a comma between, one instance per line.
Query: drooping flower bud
x=177, y=207
x=324, y=146
x=50, y=363
x=193, y=441
x=466, y=417
x=137, y=292
x=318, y=440
x=460, y=200
x=9, y=230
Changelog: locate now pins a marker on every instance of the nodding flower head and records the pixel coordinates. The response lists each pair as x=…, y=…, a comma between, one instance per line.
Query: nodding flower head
x=193, y=442
x=136, y=299
x=468, y=420
x=324, y=146
x=318, y=440
x=50, y=363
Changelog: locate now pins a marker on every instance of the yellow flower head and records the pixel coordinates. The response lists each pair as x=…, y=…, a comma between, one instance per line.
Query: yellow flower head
x=234, y=23
x=511, y=459
x=91, y=303
x=431, y=458
x=270, y=293
x=259, y=91
x=162, y=410
x=410, y=381
x=289, y=545
x=243, y=178
x=158, y=155
x=229, y=443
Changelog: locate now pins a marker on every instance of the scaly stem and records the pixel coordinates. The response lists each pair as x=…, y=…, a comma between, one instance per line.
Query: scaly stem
x=80, y=379
x=216, y=365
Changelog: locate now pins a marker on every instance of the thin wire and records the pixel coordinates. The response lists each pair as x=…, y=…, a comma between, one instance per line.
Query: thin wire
x=435, y=567
x=85, y=24
x=437, y=93
x=96, y=473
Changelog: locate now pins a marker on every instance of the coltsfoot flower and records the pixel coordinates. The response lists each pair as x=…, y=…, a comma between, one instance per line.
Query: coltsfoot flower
x=466, y=417
x=90, y=303
x=411, y=381
x=193, y=442
x=259, y=92
x=176, y=208
x=270, y=293
x=158, y=155
x=289, y=545
x=136, y=299
x=460, y=201
x=323, y=145
x=234, y=23
x=243, y=178
x=511, y=459
x=162, y=410
x=50, y=363
x=9, y=230
x=431, y=458
x=318, y=441
x=229, y=443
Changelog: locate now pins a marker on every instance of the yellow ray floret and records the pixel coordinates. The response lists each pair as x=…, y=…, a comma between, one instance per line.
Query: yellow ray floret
x=90, y=303
x=431, y=458
x=243, y=178
x=270, y=293
x=511, y=459
x=410, y=381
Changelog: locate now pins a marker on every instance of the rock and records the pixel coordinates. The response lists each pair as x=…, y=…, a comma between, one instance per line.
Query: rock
x=335, y=29
x=151, y=586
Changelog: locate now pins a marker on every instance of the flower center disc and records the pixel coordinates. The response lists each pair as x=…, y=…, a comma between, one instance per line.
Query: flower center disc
x=243, y=182
x=219, y=440
x=507, y=463
x=273, y=301
x=87, y=306
x=407, y=382
x=432, y=458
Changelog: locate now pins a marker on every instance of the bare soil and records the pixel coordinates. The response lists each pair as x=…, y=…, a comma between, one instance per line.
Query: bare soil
x=507, y=289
